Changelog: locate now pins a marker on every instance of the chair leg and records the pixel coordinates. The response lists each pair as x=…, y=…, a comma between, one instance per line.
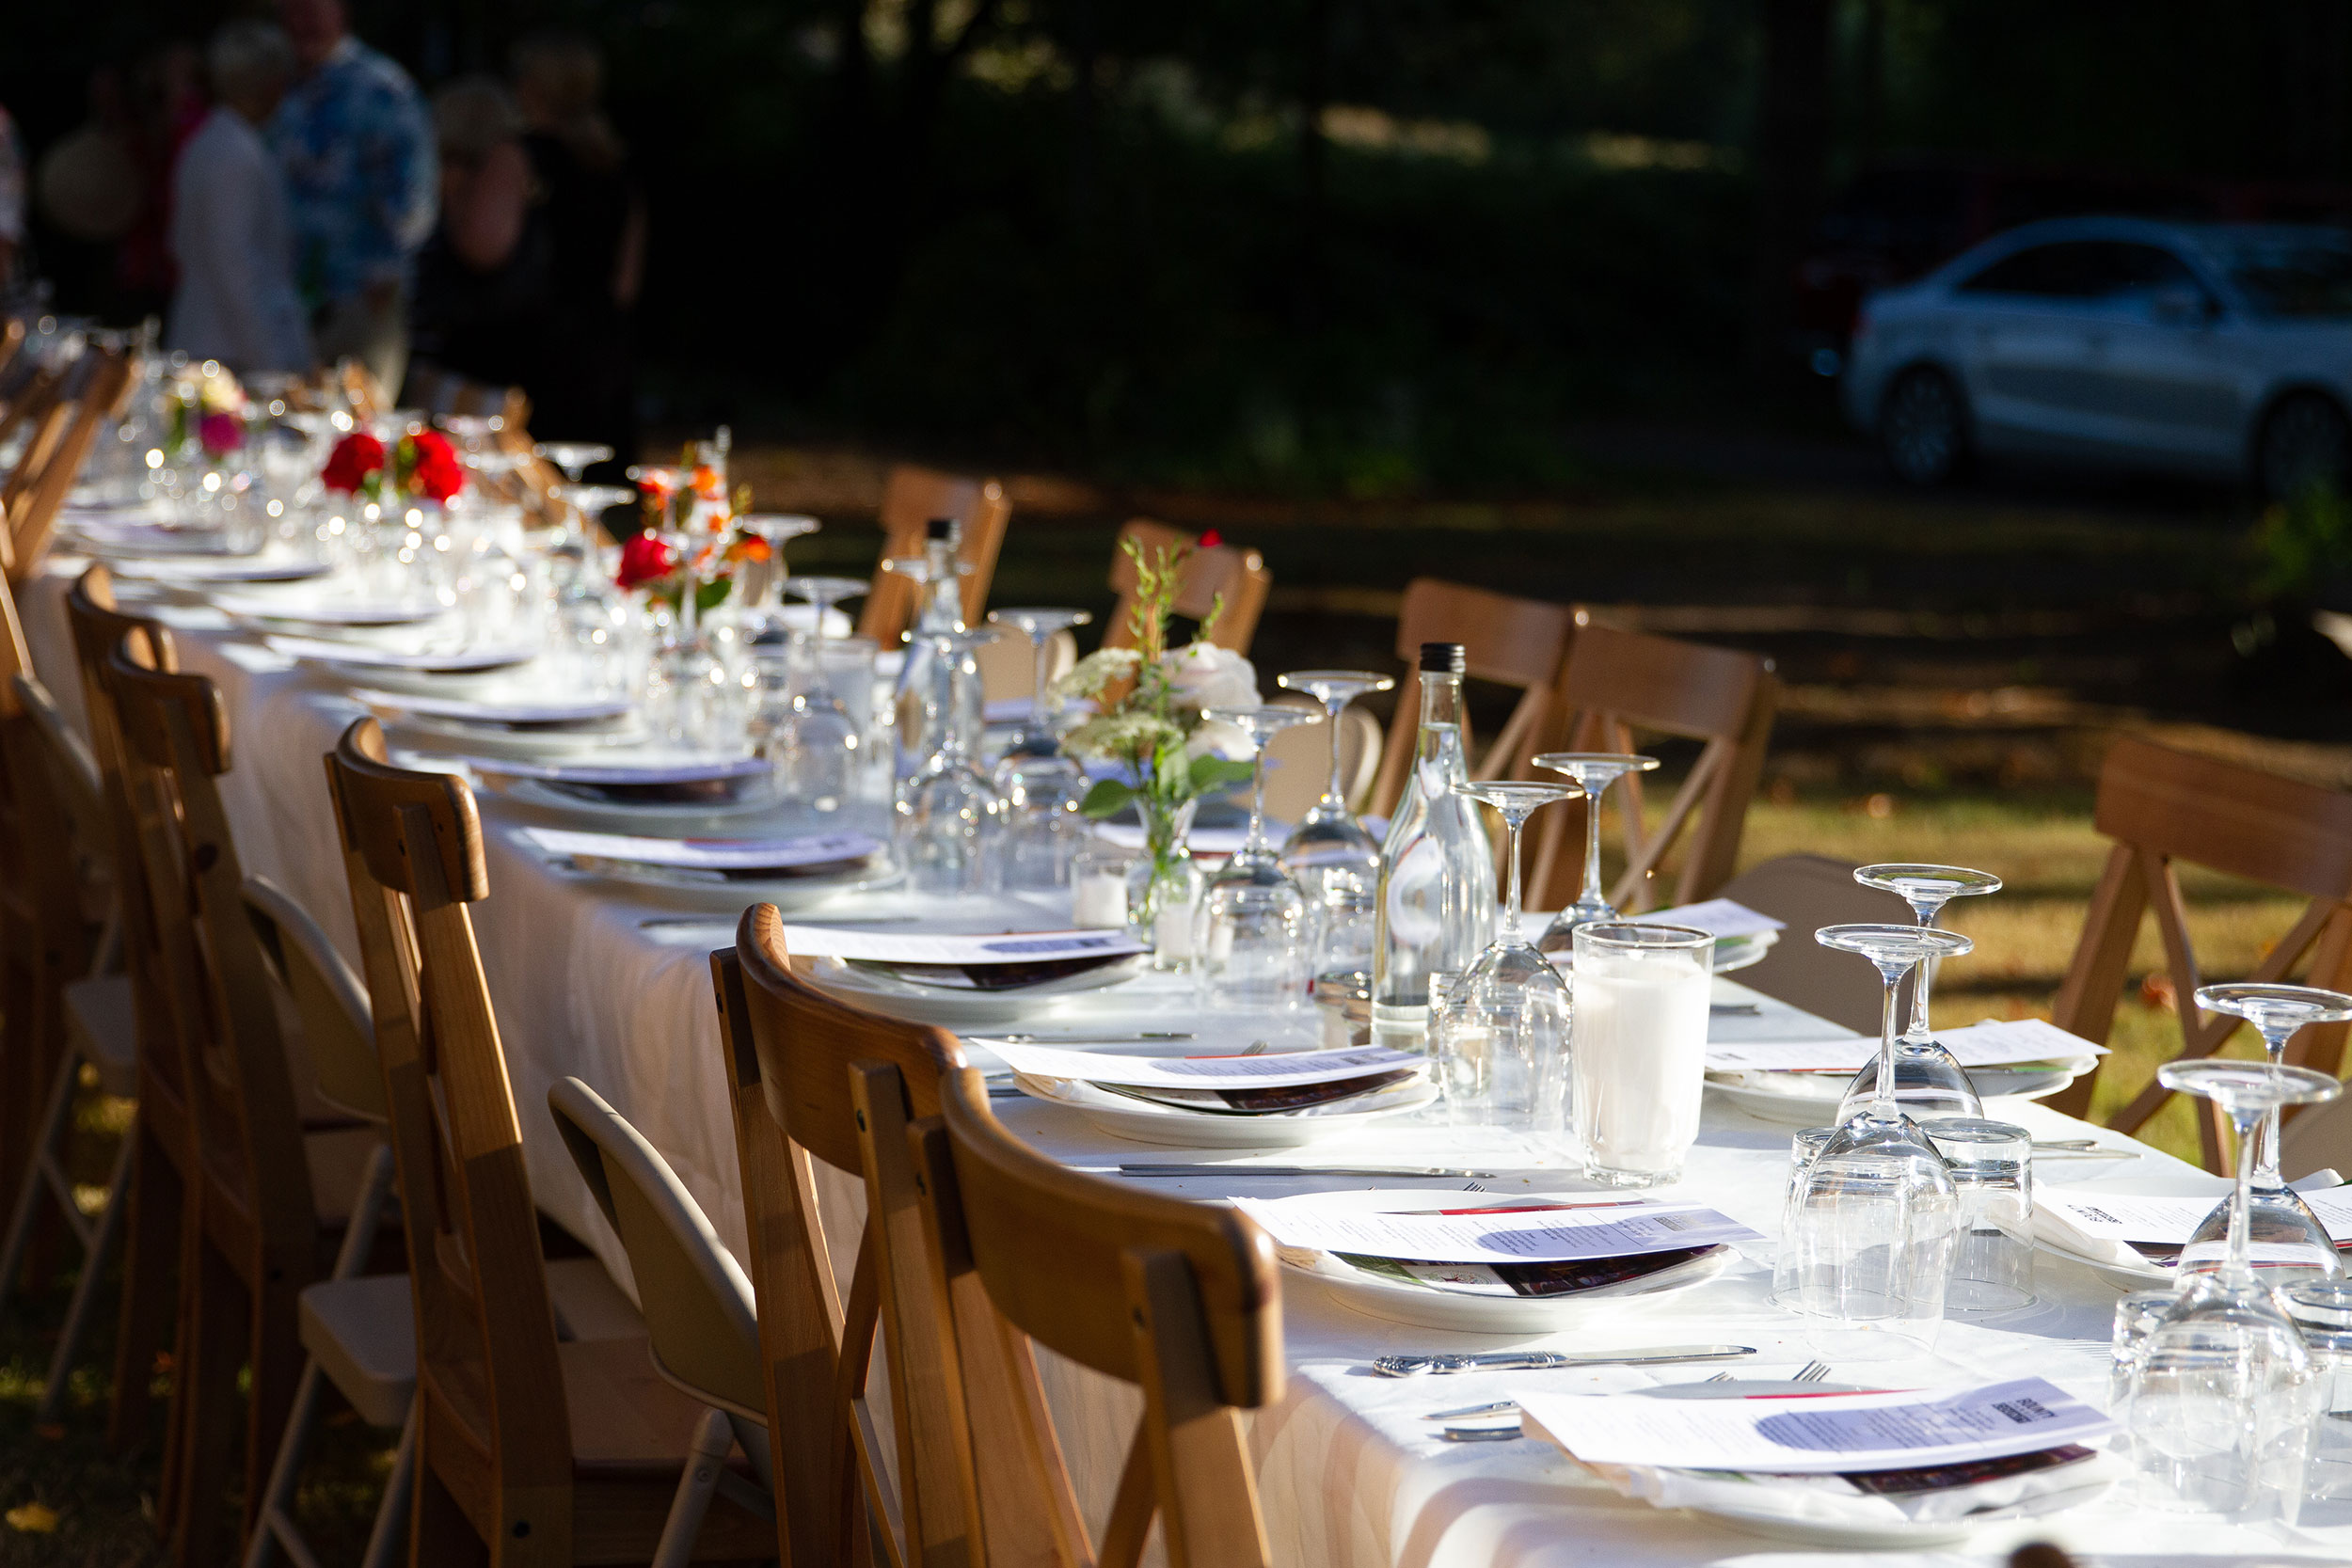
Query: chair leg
x=392, y=1515
x=204, y=1406
x=441, y=1534
x=51, y=1132
x=273, y=1350
x=706, y=1458
x=273, y=1516
x=94, y=1261
x=150, y=1262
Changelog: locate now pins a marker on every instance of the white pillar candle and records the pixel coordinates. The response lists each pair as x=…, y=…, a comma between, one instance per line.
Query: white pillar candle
x=1099, y=900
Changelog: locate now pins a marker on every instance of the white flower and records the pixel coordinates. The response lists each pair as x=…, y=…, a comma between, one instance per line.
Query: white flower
x=1205, y=676
x=1229, y=741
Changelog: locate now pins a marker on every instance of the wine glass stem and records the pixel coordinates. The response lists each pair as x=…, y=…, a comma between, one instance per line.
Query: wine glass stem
x=1041, y=721
x=2238, y=1265
x=1333, y=795
x=1257, y=797
x=1925, y=982
x=1591, y=898
x=819, y=683
x=2266, y=1136
x=1513, y=822
x=1882, y=1101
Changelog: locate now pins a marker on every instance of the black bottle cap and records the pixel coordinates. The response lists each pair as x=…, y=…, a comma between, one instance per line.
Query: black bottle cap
x=940, y=527
x=1443, y=659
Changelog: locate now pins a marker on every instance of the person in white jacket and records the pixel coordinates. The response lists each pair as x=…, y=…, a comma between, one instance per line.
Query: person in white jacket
x=236, y=300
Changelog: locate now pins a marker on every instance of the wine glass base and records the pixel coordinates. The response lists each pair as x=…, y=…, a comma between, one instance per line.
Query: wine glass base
x=1631, y=1178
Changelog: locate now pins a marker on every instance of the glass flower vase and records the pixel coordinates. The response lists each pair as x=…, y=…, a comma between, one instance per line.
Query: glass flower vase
x=1164, y=883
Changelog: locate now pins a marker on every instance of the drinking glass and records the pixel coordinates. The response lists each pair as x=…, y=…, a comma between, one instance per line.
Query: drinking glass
x=1803, y=1147
x=1873, y=1227
x=818, y=750
x=1638, y=1050
x=2222, y=1390
x=2294, y=1244
x=1993, y=1175
x=1334, y=860
x=2135, y=1318
x=1098, y=886
x=1041, y=787
x=949, y=819
x=1251, y=927
x=764, y=618
x=2322, y=1310
x=1504, y=1026
x=1594, y=772
x=573, y=457
x=1929, y=1080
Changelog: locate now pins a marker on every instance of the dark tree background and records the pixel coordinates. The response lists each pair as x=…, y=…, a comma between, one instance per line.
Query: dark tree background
x=1358, y=245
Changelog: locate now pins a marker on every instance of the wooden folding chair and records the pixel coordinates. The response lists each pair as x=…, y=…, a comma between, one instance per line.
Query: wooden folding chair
x=1510, y=641
x=817, y=1081
x=1214, y=572
x=1616, y=683
x=257, y=1228
x=11, y=343
x=1177, y=1297
x=911, y=498
x=33, y=514
x=2161, y=806
x=530, y=1451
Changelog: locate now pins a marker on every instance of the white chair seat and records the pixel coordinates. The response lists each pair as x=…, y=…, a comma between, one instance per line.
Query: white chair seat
x=588, y=1304
x=363, y=1333
x=104, y=1026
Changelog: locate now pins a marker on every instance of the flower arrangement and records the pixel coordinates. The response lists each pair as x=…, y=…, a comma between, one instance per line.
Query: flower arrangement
x=1154, y=729
x=205, y=412
x=691, y=500
x=422, y=465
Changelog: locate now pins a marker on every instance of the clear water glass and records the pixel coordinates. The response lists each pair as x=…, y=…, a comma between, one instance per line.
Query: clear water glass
x=818, y=747
x=1594, y=772
x=2135, y=1318
x=1329, y=854
x=2322, y=1310
x=2223, y=1392
x=2291, y=1242
x=1252, y=929
x=949, y=819
x=1638, y=1050
x=1504, y=1025
x=1930, y=1083
x=1875, y=1225
x=1803, y=1147
x=1992, y=1165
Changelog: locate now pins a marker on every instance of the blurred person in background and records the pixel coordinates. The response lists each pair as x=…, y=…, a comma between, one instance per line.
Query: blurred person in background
x=357, y=152
x=230, y=236
x=481, y=295
x=583, y=387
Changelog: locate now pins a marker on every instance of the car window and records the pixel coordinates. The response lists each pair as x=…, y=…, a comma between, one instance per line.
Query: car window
x=2081, y=270
x=2292, y=276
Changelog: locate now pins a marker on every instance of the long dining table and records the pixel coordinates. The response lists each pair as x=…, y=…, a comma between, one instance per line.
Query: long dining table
x=610, y=982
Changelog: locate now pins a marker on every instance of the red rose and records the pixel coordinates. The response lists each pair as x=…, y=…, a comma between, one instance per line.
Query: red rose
x=643, y=559
x=356, y=458
x=221, y=434
x=434, y=471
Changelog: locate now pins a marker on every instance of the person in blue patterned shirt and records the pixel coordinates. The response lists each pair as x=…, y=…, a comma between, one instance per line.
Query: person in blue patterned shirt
x=360, y=170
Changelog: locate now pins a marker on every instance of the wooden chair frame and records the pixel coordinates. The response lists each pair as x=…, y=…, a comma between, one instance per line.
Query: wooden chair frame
x=1615, y=682
x=1179, y=1298
x=812, y=1080
x=912, y=497
x=32, y=516
x=2160, y=806
x=496, y=1473
x=1511, y=642
x=1211, y=572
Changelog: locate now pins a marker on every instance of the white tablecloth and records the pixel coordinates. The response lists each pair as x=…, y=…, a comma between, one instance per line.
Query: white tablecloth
x=1349, y=1476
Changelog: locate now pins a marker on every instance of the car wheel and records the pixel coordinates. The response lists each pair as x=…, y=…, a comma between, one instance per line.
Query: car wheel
x=1923, y=425
x=2304, y=441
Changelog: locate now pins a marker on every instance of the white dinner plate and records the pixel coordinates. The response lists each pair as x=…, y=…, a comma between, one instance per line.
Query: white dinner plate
x=1431, y=1306
x=958, y=1010
x=638, y=785
x=363, y=661
x=271, y=565
x=505, y=713
x=329, y=613
x=1143, y=1121
x=1810, y=1099
x=687, y=889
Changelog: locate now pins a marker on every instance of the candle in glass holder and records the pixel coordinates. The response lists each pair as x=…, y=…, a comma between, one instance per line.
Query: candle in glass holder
x=1638, y=1047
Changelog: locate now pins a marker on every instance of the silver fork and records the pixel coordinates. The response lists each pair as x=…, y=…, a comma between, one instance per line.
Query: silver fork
x=1812, y=1371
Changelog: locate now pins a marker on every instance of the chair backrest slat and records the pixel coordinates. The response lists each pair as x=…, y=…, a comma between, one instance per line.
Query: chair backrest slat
x=1177, y=1298
x=2162, y=807
x=1616, y=683
x=1210, y=573
x=486, y=1331
x=33, y=517
x=338, y=1033
x=912, y=497
x=1510, y=641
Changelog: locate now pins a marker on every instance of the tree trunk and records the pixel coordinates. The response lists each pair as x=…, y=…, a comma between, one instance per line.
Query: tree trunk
x=1792, y=136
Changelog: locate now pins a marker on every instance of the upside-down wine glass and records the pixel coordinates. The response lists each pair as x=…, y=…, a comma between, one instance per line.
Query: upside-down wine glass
x=1593, y=771
x=818, y=750
x=573, y=457
x=765, y=620
x=1041, y=787
x=2295, y=1244
x=1875, y=1218
x=949, y=818
x=1334, y=860
x=1501, y=1034
x=2222, y=1389
x=1252, y=926
x=1930, y=1083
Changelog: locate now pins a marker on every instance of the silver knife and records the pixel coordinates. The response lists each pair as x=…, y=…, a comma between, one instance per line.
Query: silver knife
x=1536, y=1360
x=1206, y=1168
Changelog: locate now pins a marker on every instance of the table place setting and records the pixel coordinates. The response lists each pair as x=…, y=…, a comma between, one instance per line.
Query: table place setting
x=1284, y=1101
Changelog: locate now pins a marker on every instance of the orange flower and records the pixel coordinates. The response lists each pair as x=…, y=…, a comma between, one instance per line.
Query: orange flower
x=707, y=484
x=748, y=547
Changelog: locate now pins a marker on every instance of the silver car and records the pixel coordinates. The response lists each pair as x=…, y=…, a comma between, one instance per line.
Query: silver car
x=2217, y=350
